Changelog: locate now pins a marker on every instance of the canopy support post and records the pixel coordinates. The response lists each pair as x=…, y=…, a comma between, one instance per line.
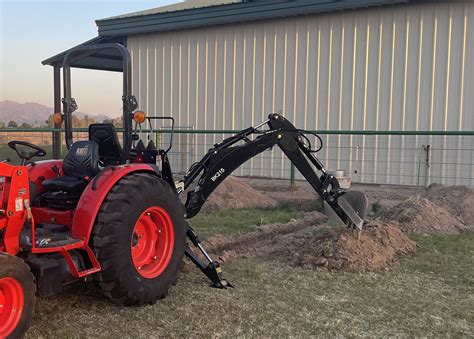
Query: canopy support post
x=57, y=108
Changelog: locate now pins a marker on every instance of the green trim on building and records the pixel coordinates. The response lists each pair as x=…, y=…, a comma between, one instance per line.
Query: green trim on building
x=226, y=14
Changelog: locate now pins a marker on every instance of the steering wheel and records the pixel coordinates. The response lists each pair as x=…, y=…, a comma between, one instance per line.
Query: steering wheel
x=25, y=150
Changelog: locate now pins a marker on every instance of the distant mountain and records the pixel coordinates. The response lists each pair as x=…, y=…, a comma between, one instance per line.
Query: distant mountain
x=33, y=113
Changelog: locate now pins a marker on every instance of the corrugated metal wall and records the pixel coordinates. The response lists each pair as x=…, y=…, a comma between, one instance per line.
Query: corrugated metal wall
x=408, y=67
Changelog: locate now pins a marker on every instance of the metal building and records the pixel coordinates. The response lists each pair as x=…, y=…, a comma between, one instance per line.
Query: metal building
x=375, y=65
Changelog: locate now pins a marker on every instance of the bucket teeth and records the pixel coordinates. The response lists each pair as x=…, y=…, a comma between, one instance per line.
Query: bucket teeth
x=354, y=205
x=351, y=214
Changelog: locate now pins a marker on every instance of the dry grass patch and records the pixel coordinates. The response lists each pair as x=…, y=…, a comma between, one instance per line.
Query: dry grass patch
x=430, y=295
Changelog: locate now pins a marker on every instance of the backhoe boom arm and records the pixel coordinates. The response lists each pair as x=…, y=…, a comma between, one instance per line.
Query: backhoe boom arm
x=226, y=156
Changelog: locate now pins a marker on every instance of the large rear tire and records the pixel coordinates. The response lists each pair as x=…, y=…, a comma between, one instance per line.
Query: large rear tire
x=17, y=296
x=139, y=239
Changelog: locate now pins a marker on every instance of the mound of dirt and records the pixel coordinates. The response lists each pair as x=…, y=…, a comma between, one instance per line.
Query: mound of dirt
x=306, y=244
x=378, y=248
x=250, y=242
x=233, y=193
x=458, y=200
x=420, y=215
x=305, y=200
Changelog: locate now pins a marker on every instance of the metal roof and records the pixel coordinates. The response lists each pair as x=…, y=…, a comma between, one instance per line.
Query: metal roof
x=199, y=13
x=109, y=60
x=193, y=4
x=192, y=15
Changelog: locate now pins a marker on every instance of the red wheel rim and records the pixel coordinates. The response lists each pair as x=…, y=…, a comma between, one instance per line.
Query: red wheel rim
x=152, y=242
x=11, y=305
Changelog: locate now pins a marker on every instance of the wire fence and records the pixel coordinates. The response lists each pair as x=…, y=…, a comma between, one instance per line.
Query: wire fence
x=398, y=158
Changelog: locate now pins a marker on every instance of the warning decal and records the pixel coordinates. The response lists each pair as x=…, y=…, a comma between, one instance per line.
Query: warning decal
x=18, y=204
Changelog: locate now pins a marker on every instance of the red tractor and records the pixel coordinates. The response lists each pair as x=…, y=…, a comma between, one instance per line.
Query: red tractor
x=106, y=211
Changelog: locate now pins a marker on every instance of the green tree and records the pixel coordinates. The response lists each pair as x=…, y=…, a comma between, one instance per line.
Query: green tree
x=76, y=122
x=88, y=120
x=13, y=124
x=25, y=125
x=117, y=122
x=49, y=123
x=2, y=124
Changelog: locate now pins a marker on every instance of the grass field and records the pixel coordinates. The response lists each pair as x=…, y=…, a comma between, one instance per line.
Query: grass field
x=234, y=222
x=430, y=294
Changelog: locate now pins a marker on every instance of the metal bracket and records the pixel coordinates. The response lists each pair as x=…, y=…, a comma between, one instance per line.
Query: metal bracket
x=130, y=102
x=212, y=270
x=70, y=104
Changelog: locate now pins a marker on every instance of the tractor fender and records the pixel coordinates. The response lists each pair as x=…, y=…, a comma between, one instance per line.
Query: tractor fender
x=95, y=193
x=40, y=171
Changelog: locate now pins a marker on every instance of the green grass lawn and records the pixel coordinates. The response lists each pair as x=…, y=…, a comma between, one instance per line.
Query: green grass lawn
x=430, y=294
x=234, y=222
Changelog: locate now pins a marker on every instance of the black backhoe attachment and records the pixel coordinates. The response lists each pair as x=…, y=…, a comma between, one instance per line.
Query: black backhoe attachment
x=226, y=156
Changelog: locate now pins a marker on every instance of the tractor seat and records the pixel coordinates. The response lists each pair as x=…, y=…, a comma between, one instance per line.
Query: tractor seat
x=106, y=137
x=67, y=184
x=80, y=164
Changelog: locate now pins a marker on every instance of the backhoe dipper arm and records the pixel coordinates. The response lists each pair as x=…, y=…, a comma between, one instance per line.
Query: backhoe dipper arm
x=225, y=157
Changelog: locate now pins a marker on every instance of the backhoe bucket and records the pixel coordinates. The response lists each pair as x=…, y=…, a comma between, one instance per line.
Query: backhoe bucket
x=354, y=205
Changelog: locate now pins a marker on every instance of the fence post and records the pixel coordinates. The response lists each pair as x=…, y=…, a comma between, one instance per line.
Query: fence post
x=427, y=164
x=292, y=177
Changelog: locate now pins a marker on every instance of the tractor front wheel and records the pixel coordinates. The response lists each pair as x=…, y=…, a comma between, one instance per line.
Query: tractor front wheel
x=17, y=296
x=139, y=239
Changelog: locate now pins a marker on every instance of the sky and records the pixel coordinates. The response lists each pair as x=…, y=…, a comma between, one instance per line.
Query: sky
x=34, y=30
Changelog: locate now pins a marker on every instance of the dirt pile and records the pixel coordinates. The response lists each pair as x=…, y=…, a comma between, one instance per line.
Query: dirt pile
x=302, y=197
x=226, y=247
x=458, y=200
x=420, y=215
x=305, y=244
x=379, y=247
x=233, y=193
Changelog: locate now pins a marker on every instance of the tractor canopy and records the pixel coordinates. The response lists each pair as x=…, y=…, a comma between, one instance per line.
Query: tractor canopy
x=100, y=53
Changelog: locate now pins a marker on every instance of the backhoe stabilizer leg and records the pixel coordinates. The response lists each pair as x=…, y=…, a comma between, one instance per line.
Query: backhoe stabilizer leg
x=213, y=269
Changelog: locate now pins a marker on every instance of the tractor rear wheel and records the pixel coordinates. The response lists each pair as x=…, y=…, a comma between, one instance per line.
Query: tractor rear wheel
x=139, y=239
x=17, y=296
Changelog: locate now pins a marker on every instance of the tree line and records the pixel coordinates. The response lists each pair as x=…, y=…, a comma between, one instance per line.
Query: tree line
x=76, y=123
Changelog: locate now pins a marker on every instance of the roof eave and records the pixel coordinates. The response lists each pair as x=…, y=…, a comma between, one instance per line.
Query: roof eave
x=94, y=61
x=53, y=60
x=147, y=12
x=227, y=14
